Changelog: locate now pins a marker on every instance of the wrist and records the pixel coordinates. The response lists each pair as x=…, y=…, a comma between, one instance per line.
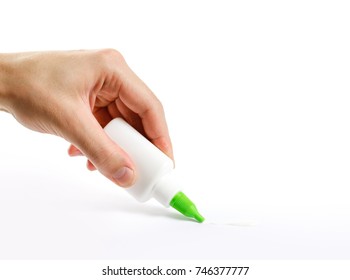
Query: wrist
x=5, y=70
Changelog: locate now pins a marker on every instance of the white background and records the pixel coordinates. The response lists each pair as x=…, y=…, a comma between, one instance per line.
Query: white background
x=257, y=98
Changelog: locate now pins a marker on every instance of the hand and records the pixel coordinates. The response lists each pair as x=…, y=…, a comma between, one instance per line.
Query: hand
x=74, y=95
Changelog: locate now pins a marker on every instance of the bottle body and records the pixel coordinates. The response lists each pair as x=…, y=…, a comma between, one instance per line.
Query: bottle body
x=153, y=168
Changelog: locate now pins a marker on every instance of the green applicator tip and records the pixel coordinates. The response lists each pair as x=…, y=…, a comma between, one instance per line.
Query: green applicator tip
x=184, y=205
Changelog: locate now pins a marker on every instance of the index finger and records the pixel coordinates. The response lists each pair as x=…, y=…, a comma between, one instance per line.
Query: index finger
x=135, y=94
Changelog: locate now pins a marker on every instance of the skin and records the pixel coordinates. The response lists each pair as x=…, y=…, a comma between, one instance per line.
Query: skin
x=74, y=94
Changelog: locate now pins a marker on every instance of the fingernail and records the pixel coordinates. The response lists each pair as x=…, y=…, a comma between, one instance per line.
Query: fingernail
x=124, y=176
x=76, y=153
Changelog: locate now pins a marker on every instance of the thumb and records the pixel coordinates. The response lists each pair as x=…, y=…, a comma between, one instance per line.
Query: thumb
x=112, y=161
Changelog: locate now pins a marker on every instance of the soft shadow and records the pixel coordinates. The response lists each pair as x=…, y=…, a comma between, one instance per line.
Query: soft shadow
x=131, y=207
x=151, y=210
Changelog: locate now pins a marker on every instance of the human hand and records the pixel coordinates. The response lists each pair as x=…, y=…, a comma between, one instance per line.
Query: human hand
x=74, y=95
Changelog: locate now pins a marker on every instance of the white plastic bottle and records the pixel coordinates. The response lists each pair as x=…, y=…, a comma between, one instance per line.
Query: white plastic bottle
x=155, y=170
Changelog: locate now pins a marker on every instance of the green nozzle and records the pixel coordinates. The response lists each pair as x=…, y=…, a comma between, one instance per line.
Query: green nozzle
x=185, y=206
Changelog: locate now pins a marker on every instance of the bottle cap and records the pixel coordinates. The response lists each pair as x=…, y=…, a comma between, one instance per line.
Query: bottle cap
x=184, y=205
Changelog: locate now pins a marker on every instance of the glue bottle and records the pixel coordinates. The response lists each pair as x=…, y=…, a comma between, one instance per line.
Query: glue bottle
x=155, y=171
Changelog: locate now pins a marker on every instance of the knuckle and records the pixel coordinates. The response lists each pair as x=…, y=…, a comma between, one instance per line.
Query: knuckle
x=159, y=106
x=110, y=56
